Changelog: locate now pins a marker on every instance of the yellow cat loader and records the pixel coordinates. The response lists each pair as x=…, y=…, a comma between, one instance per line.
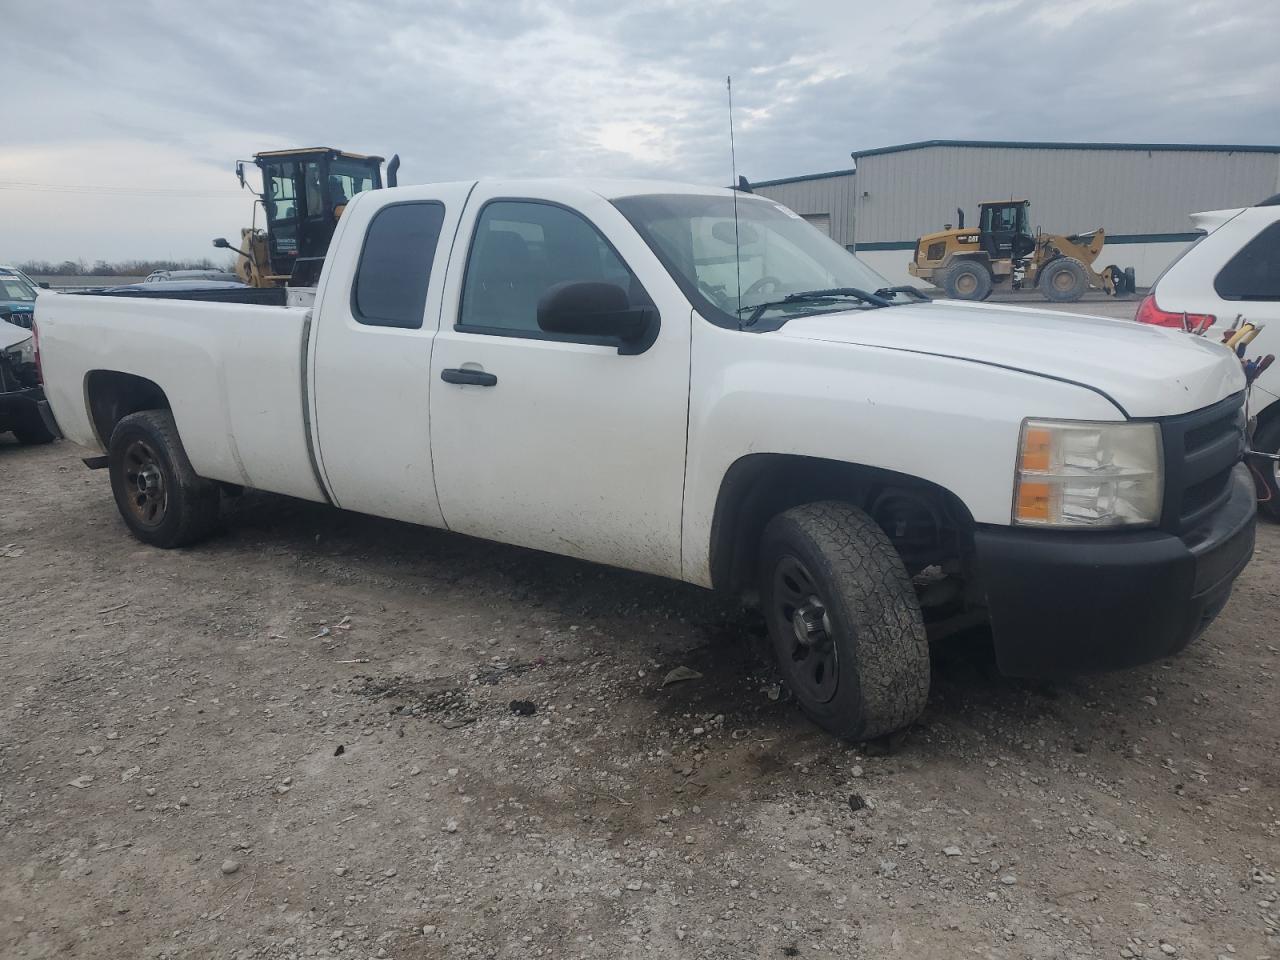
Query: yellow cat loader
x=967, y=263
x=304, y=192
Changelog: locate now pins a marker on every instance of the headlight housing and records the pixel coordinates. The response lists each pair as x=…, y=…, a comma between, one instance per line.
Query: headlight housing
x=19, y=363
x=1076, y=474
x=21, y=353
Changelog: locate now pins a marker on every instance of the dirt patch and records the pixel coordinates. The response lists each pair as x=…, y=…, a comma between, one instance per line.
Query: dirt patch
x=168, y=716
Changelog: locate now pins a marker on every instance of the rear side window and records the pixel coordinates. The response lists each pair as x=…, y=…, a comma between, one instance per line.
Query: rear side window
x=1254, y=272
x=390, y=289
x=523, y=247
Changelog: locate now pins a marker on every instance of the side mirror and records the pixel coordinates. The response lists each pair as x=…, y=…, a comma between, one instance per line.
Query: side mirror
x=43, y=284
x=221, y=243
x=588, y=308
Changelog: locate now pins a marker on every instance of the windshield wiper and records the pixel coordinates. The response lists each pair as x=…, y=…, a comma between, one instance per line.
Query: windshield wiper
x=908, y=290
x=835, y=293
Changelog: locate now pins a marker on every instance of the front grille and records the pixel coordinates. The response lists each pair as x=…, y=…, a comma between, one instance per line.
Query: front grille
x=1200, y=450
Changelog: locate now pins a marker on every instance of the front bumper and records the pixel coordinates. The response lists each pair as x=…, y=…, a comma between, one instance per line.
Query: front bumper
x=1063, y=603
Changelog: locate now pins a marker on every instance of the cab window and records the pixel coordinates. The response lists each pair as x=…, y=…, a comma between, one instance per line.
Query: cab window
x=390, y=286
x=519, y=250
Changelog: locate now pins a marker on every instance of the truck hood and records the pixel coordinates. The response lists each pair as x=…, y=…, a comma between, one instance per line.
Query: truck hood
x=1146, y=371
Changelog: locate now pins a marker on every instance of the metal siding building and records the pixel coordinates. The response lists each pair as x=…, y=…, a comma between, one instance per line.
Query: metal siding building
x=824, y=199
x=1140, y=193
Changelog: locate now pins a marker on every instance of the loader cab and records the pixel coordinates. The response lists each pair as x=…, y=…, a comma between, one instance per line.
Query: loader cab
x=1005, y=229
x=303, y=194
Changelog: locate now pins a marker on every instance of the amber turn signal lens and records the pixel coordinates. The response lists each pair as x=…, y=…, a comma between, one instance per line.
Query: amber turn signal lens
x=1036, y=446
x=1033, y=501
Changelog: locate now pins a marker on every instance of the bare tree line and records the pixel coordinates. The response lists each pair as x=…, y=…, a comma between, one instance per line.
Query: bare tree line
x=118, y=268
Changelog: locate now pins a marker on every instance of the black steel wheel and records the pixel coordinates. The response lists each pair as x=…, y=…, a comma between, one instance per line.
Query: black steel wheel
x=144, y=477
x=808, y=656
x=843, y=620
x=159, y=496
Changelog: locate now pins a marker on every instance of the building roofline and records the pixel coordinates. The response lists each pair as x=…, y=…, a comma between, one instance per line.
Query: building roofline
x=802, y=178
x=1051, y=145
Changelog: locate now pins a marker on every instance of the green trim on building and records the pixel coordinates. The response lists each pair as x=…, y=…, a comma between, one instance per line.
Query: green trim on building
x=1153, y=237
x=887, y=245
x=802, y=179
x=1050, y=145
x=1115, y=238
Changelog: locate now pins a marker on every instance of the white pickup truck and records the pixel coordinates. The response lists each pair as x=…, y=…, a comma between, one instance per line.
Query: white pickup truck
x=698, y=384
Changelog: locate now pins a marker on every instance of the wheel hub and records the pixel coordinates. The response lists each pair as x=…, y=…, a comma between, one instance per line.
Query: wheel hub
x=148, y=497
x=807, y=651
x=148, y=480
x=810, y=624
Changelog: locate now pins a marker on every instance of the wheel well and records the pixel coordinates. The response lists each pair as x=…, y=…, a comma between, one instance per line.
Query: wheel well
x=112, y=396
x=1268, y=413
x=927, y=523
x=980, y=258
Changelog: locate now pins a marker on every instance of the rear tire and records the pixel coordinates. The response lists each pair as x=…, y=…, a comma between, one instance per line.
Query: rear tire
x=1266, y=473
x=1064, y=280
x=967, y=280
x=162, y=500
x=844, y=621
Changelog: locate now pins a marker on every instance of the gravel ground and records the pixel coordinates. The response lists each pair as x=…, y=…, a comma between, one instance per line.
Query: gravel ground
x=1093, y=302
x=324, y=734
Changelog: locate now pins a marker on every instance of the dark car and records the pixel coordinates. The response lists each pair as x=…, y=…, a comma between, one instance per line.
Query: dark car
x=22, y=407
x=17, y=297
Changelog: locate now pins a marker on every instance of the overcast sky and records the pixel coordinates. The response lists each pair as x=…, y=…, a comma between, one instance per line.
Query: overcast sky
x=122, y=120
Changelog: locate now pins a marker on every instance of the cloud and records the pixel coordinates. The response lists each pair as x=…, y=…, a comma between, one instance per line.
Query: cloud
x=166, y=96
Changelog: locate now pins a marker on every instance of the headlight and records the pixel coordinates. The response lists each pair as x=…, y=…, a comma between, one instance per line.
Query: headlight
x=23, y=352
x=1076, y=474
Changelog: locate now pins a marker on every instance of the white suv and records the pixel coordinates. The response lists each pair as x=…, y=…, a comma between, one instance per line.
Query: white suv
x=1233, y=273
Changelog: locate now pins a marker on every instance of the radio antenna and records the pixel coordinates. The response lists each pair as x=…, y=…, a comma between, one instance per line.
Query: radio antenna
x=733, y=166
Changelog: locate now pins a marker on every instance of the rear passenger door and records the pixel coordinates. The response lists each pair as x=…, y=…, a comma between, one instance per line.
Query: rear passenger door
x=375, y=317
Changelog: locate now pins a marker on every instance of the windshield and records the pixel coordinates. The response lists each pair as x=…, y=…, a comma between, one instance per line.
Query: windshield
x=13, y=287
x=348, y=177
x=779, y=255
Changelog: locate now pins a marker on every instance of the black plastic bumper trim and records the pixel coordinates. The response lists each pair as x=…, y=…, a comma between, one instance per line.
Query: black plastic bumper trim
x=1064, y=603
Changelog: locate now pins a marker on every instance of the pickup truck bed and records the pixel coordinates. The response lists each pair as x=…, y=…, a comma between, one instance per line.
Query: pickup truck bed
x=241, y=379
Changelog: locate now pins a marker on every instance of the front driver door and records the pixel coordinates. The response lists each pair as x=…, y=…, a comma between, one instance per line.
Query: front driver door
x=563, y=444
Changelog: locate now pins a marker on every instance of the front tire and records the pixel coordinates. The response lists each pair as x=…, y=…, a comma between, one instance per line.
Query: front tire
x=967, y=280
x=1064, y=280
x=1267, y=472
x=162, y=500
x=844, y=621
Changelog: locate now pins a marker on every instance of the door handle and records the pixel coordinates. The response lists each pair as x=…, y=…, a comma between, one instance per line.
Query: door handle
x=476, y=378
